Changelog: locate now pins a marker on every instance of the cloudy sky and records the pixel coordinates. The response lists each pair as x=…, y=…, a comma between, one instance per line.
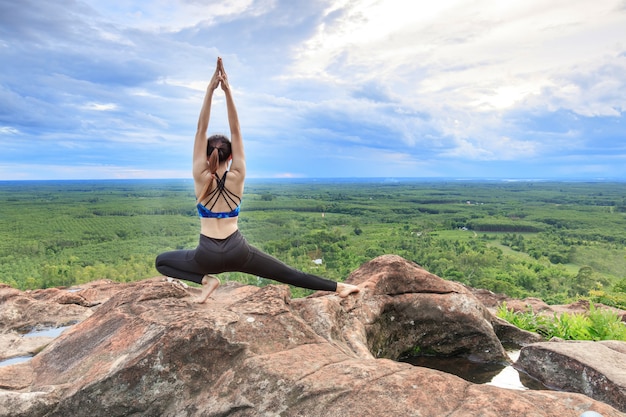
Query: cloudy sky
x=324, y=88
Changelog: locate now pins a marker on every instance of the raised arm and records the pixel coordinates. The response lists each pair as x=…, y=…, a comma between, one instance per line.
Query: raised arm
x=238, y=165
x=200, y=167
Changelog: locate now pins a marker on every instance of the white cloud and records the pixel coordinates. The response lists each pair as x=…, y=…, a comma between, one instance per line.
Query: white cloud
x=430, y=91
x=100, y=106
x=8, y=130
x=500, y=149
x=84, y=171
x=487, y=53
x=173, y=15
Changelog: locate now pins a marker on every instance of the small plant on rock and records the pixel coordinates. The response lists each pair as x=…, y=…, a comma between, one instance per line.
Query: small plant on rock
x=597, y=324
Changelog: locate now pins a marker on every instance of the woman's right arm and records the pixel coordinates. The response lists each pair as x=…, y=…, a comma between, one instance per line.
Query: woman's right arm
x=200, y=168
x=238, y=164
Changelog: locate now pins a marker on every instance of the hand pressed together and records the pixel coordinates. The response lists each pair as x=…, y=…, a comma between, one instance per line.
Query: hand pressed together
x=219, y=77
x=223, y=76
x=216, y=78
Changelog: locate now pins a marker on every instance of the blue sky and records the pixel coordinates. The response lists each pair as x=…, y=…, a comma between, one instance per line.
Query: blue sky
x=354, y=88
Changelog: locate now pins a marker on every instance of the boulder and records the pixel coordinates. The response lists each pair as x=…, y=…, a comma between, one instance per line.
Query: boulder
x=493, y=301
x=511, y=336
x=25, y=311
x=409, y=310
x=596, y=369
x=149, y=350
x=24, y=314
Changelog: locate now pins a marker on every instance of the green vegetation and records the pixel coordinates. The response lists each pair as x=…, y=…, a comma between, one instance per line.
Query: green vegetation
x=598, y=324
x=556, y=241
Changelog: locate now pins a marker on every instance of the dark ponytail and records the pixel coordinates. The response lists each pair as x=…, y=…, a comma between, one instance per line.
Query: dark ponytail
x=218, y=150
x=214, y=160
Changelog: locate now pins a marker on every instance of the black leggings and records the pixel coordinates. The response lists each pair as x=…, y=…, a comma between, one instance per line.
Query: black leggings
x=234, y=254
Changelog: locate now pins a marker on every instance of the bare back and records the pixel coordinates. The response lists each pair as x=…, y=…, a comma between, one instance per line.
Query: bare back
x=220, y=228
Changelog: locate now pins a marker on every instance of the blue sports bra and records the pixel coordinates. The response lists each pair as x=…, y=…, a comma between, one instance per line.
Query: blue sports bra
x=220, y=191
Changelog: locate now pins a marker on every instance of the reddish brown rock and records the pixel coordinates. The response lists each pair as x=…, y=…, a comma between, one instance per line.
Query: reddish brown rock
x=597, y=369
x=493, y=301
x=150, y=351
x=24, y=312
x=409, y=309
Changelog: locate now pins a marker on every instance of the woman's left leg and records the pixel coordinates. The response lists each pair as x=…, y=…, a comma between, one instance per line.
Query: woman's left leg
x=180, y=264
x=193, y=265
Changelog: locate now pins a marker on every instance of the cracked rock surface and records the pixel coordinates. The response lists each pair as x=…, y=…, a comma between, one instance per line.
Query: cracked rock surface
x=146, y=349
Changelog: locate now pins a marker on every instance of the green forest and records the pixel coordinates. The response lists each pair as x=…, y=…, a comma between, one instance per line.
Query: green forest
x=559, y=241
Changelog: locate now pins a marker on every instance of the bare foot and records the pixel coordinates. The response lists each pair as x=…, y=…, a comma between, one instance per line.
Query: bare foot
x=209, y=285
x=344, y=290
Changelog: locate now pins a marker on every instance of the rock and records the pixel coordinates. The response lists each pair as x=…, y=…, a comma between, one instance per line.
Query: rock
x=31, y=310
x=511, y=336
x=596, y=369
x=493, y=301
x=490, y=299
x=13, y=345
x=583, y=307
x=410, y=309
x=150, y=351
x=24, y=312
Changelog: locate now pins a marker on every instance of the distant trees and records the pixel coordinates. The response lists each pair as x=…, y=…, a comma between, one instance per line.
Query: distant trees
x=553, y=241
x=504, y=225
x=551, y=245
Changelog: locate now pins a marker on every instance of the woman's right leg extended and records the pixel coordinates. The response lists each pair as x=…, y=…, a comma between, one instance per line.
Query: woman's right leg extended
x=266, y=266
x=241, y=256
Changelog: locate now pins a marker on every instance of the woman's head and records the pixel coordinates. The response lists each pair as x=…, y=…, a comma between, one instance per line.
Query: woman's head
x=218, y=150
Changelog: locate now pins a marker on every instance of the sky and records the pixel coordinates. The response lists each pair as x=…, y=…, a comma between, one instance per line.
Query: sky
x=515, y=89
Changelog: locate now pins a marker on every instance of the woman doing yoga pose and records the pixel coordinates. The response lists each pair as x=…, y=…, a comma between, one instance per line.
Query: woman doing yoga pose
x=219, y=170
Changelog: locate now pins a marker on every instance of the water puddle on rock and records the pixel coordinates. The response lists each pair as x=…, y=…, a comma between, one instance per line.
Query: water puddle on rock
x=15, y=360
x=499, y=375
x=49, y=332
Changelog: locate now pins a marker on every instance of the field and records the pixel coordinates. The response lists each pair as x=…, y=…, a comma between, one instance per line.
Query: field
x=555, y=240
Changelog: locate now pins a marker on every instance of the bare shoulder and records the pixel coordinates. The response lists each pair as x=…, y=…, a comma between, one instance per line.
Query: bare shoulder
x=200, y=170
x=236, y=177
x=235, y=181
x=238, y=168
x=201, y=179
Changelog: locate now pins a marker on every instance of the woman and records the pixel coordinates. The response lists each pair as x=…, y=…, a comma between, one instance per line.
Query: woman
x=219, y=170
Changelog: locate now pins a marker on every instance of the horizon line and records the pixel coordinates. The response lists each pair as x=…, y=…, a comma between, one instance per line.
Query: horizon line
x=360, y=179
